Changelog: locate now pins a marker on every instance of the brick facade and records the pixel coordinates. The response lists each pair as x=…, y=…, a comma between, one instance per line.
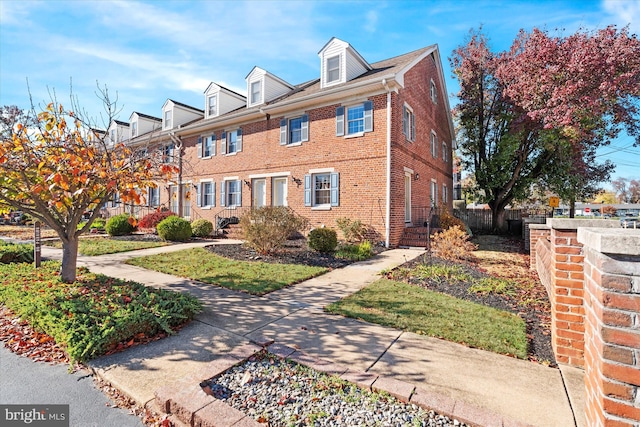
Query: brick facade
x=362, y=161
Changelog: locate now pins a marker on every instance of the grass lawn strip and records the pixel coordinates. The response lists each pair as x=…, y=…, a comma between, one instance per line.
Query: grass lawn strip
x=94, y=315
x=95, y=246
x=411, y=308
x=254, y=277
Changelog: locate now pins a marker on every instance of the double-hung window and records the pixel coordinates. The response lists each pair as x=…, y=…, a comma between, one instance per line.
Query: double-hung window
x=231, y=142
x=434, y=144
x=295, y=130
x=322, y=189
x=206, y=196
x=445, y=194
x=167, y=153
x=333, y=69
x=433, y=92
x=231, y=193
x=434, y=193
x=445, y=154
x=212, y=105
x=256, y=92
x=153, y=197
x=408, y=123
x=167, y=119
x=358, y=120
x=206, y=146
x=134, y=129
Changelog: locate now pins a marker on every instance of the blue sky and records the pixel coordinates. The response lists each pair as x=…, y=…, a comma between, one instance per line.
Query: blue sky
x=150, y=51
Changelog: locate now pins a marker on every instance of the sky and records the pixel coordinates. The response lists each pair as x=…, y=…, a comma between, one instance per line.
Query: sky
x=146, y=52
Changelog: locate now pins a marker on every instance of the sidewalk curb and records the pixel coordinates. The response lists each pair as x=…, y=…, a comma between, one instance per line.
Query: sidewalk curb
x=190, y=404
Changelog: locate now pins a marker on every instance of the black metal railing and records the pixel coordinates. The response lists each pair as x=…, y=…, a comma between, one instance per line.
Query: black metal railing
x=229, y=215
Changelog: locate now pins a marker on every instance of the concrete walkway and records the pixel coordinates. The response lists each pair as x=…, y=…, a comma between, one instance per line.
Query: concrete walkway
x=518, y=390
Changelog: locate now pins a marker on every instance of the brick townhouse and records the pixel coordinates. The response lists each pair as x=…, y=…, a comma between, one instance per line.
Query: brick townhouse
x=365, y=141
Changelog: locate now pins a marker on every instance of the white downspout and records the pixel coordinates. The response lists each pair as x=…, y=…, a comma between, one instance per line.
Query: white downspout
x=387, y=231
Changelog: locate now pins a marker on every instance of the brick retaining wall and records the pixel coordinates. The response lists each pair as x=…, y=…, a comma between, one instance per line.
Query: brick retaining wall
x=592, y=276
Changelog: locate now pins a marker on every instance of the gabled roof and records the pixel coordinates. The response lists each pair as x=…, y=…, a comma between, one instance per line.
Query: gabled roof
x=180, y=104
x=121, y=123
x=266, y=73
x=223, y=88
x=347, y=46
x=146, y=116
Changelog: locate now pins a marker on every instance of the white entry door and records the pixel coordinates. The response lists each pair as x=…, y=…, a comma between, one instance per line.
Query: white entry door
x=279, y=191
x=259, y=193
x=407, y=198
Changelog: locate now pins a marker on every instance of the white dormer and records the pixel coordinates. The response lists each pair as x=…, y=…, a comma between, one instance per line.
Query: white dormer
x=175, y=114
x=139, y=124
x=263, y=86
x=118, y=132
x=340, y=63
x=219, y=100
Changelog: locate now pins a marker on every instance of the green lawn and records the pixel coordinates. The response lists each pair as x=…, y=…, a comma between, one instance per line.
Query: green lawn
x=93, y=246
x=411, y=308
x=95, y=314
x=254, y=277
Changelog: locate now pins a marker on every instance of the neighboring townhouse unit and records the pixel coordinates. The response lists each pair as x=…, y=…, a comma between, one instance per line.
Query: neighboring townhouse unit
x=371, y=142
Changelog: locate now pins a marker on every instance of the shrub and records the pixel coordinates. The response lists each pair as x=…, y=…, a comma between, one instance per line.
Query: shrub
x=119, y=225
x=12, y=253
x=154, y=218
x=99, y=224
x=201, y=227
x=323, y=239
x=452, y=244
x=353, y=231
x=447, y=220
x=174, y=229
x=267, y=228
x=356, y=252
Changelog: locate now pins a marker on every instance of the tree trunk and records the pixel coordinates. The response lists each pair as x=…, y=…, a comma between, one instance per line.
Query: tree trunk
x=572, y=208
x=69, y=259
x=499, y=222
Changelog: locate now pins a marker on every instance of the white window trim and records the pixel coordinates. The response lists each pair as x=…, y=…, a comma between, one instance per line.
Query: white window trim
x=410, y=134
x=322, y=170
x=326, y=70
x=408, y=170
x=203, y=206
x=209, y=114
x=260, y=100
x=164, y=119
x=433, y=91
x=433, y=144
x=270, y=175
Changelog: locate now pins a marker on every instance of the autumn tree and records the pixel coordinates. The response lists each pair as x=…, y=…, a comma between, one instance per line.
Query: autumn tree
x=521, y=112
x=56, y=167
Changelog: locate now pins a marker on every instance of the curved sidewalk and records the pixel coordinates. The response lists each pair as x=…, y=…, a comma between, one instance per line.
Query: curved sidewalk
x=516, y=390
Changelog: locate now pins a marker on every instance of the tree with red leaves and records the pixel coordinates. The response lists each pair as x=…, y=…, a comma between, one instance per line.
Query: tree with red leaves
x=540, y=110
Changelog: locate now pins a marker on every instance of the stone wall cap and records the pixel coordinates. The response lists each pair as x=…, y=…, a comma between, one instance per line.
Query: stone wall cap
x=575, y=223
x=623, y=241
x=539, y=227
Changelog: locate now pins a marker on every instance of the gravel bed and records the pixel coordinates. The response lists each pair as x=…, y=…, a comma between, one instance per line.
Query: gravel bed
x=282, y=393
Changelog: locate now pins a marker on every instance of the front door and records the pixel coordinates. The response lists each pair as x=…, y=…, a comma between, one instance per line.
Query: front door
x=279, y=191
x=259, y=193
x=407, y=198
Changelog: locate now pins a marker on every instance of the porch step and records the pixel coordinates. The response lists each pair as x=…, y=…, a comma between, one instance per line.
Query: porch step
x=233, y=231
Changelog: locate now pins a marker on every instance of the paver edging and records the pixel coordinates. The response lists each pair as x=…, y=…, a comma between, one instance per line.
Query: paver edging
x=193, y=405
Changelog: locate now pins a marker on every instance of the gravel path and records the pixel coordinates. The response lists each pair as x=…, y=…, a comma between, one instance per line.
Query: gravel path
x=282, y=393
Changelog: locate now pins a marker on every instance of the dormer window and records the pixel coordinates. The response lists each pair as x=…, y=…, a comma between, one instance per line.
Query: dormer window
x=112, y=137
x=333, y=69
x=134, y=129
x=167, y=119
x=212, y=105
x=256, y=92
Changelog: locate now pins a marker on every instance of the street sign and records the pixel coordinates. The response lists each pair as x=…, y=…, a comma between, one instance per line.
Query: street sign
x=554, y=202
x=587, y=210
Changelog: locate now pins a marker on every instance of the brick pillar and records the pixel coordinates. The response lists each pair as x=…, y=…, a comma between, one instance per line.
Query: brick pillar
x=612, y=326
x=567, y=317
x=536, y=232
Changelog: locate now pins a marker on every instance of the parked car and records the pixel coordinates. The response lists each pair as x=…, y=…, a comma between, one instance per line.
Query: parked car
x=629, y=222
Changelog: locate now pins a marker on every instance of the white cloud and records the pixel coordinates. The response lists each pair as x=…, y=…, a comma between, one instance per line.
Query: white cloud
x=627, y=12
x=371, y=21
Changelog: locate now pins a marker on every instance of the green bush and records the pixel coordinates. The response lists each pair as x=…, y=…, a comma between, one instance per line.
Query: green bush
x=119, y=225
x=12, y=253
x=267, y=228
x=356, y=252
x=352, y=230
x=99, y=224
x=201, y=227
x=95, y=314
x=323, y=239
x=174, y=229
